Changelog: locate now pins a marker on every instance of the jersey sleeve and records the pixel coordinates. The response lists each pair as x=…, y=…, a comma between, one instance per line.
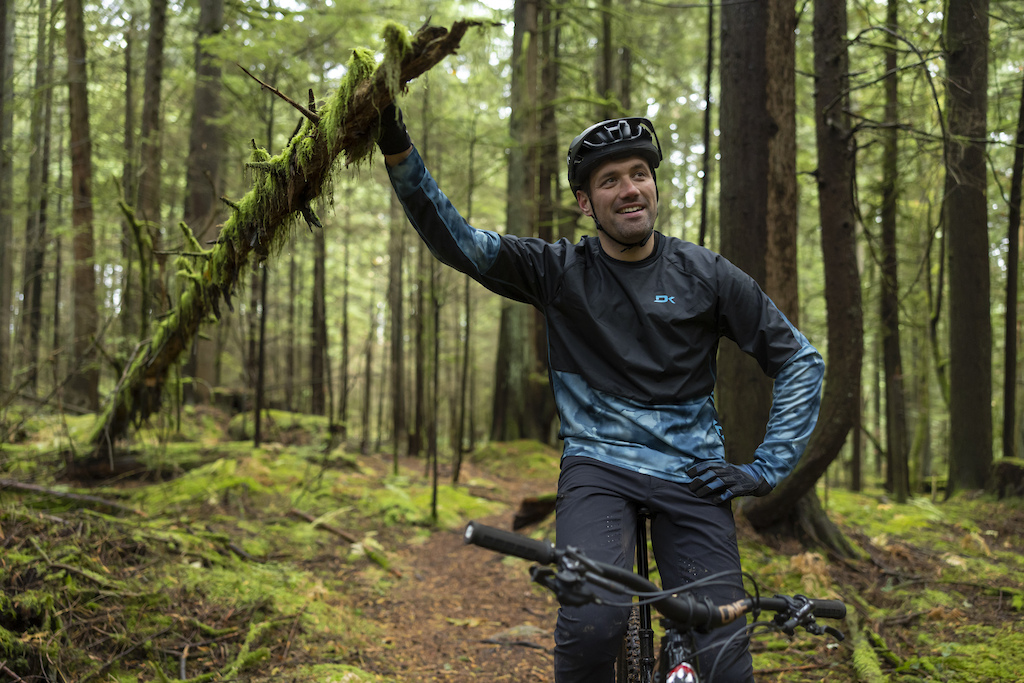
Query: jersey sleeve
x=749, y=317
x=514, y=267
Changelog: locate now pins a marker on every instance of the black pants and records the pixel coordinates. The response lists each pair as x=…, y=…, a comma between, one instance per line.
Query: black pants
x=692, y=538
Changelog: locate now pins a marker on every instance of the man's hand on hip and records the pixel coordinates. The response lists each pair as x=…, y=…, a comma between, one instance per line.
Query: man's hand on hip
x=720, y=481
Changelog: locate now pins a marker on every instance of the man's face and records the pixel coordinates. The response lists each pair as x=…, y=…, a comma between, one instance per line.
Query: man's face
x=623, y=198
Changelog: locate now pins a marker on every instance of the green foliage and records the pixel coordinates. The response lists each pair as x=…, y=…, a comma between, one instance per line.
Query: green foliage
x=405, y=501
x=282, y=427
x=519, y=459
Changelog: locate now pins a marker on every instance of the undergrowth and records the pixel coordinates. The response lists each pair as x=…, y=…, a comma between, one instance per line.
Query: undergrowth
x=242, y=563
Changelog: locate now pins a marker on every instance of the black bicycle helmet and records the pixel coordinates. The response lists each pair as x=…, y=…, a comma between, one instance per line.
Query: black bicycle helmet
x=611, y=139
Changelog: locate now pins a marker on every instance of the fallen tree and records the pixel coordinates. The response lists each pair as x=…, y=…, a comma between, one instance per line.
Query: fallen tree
x=284, y=188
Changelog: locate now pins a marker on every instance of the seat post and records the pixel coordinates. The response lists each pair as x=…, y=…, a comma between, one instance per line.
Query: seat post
x=643, y=514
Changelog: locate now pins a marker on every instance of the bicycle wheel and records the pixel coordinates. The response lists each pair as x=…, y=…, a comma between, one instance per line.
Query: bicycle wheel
x=629, y=665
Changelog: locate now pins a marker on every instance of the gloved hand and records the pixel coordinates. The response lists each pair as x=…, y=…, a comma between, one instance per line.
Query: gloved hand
x=720, y=480
x=392, y=137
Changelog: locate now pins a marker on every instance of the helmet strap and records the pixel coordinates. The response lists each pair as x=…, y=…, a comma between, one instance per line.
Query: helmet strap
x=626, y=246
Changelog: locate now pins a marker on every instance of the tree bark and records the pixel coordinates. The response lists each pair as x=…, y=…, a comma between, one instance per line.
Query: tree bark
x=793, y=508
x=1012, y=268
x=203, y=184
x=898, y=474
x=6, y=191
x=83, y=386
x=35, y=224
x=547, y=157
x=285, y=188
x=364, y=446
x=965, y=218
x=396, y=307
x=318, y=324
x=467, y=299
x=289, y=363
x=131, y=297
x=781, y=281
x=148, y=203
x=261, y=358
x=744, y=393
x=514, y=363
x=419, y=319
x=705, y=182
x=343, y=379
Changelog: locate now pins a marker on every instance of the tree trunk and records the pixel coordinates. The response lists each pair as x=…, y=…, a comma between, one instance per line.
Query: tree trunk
x=35, y=224
x=318, y=325
x=343, y=371
x=781, y=276
x=898, y=475
x=606, y=108
x=261, y=359
x=6, y=191
x=83, y=385
x=744, y=393
x=460, y=424
x=148, y=204
x=514, y=363
x=709, y=70
x=203, y=184
x=793, y=508
x=435, y=386
x=965, y=218
x=396, y=300
x=547, y=157
x=364, y=446
x=131, y=297
x=1012, y=266
x=289, y=361
x=419, y=321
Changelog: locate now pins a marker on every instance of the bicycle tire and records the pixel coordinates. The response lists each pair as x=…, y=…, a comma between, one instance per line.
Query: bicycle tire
x=628, y=666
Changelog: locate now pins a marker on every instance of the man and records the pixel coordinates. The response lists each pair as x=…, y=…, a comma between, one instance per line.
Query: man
x=633, y=320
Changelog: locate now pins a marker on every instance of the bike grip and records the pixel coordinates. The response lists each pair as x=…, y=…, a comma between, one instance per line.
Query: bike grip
x=509, y=543
x=829, y=609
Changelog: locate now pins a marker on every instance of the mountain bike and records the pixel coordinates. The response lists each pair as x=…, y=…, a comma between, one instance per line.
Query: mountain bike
x=572, y=576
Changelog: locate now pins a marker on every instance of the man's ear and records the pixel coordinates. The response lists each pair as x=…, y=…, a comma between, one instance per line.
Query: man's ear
x=584, y=202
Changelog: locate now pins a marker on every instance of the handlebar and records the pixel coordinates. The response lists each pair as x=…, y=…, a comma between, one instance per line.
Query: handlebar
x=684, y=609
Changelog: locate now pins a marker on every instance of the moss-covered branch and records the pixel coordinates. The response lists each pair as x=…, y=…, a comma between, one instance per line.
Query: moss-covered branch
x=283, y=189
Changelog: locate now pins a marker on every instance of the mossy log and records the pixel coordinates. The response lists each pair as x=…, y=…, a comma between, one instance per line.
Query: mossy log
x=1006, y=479
x=284, y=188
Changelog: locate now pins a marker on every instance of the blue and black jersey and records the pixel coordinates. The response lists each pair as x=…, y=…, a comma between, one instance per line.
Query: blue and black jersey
x=632, y=346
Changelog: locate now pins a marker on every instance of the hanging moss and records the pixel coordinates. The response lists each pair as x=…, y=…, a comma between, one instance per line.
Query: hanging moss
x=396, y=46
x=283, y=188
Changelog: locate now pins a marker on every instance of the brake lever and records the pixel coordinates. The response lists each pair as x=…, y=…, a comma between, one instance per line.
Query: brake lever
x=800, y=613
x=567, y=583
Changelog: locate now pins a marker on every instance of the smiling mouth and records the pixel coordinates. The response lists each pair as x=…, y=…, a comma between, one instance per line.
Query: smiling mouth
x=632, y=209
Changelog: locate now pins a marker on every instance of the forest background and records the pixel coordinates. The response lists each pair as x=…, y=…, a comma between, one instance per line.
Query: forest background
x=861, y=160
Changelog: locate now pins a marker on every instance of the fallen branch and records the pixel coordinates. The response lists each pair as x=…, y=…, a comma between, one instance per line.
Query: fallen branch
x=377, y=557
x=14, y=677
x=65, y=495
x=295, y=512
x=283, y=190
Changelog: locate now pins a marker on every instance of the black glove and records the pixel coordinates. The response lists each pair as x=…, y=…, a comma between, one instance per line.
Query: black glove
x=720, y=481
x=392, y=137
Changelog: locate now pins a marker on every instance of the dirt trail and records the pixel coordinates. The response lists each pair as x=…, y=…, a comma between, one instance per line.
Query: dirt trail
x=462, y=613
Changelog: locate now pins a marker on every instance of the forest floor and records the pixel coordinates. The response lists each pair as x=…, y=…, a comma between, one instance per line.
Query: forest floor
x=209, y=560
x=462, y=613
